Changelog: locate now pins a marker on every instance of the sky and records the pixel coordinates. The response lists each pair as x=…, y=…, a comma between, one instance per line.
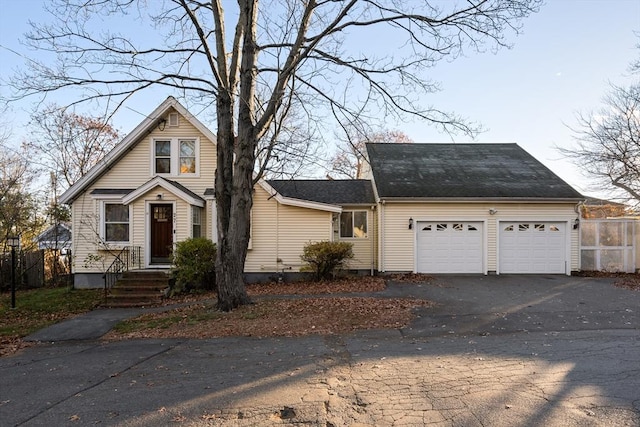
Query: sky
x=562, y=64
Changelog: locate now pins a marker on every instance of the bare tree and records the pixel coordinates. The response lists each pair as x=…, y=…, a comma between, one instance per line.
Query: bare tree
x=276, y=56
x=608, y=141
x=347, y=162
x=18, y=206
x=67, y=144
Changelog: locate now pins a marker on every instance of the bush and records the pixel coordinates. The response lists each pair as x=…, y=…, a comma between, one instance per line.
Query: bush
x=324, y=258
x=194, y=266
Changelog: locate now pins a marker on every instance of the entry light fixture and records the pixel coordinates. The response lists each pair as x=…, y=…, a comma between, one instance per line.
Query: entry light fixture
x=576, y=223
x=410, y=223
x=162, y=123
x=159, y=196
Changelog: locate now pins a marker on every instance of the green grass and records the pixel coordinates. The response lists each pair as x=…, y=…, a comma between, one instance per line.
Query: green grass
x=38, y=308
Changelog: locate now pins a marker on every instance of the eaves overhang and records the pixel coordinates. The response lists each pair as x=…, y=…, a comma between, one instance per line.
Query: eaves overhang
x=298, y=202
x=478, y=200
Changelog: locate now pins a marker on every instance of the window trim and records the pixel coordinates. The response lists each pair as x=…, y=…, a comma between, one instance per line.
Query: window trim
x=103, y=222
x=353, y=212
x=174, y=161
x=200, y=223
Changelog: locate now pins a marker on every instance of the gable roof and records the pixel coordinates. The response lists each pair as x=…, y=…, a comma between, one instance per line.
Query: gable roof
x=56, y=236
x=144, y=128
x=173, y=187
x=463, y=171
x=335, y=192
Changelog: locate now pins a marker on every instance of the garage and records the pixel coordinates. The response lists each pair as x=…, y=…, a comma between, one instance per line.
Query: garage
x=449, y=247
x=532, y=247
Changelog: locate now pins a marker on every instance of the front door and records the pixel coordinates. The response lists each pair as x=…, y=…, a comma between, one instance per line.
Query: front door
x=161, y=233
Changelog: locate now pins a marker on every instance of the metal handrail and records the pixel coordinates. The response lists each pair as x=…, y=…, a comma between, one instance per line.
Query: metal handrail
x=127, y=259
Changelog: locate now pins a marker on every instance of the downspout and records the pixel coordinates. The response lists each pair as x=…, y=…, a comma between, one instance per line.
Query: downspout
x=372, y=240
x=381, y=226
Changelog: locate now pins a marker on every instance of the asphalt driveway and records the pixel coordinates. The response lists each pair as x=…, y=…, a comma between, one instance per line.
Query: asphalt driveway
x=495, y=350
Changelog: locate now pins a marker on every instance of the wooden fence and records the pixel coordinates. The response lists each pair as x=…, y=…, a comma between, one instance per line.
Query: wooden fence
x=45, y=267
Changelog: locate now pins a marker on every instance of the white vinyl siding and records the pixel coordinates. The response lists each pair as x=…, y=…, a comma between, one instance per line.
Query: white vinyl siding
x=127, y=173
x=397, y=243
x=279, y=233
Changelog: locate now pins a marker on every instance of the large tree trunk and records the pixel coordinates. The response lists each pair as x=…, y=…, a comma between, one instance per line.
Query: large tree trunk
x=232, y=232
x=234, y=176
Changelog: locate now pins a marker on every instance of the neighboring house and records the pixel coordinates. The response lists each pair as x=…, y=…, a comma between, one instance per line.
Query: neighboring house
x=594, y=208
x=468, y=208
x=55, y=237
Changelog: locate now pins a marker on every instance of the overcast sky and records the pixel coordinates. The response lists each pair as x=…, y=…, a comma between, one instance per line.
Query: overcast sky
x=561, y=64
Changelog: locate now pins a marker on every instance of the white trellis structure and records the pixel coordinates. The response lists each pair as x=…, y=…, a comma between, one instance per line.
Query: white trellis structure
x=608, y=245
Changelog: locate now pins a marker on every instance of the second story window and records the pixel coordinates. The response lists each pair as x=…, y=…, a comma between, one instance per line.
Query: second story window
x=175, y=157
x=187, y=156
x=163, y=157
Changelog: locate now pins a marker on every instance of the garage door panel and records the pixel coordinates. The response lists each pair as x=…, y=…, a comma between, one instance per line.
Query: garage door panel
x=532, y=247
x=449, y=247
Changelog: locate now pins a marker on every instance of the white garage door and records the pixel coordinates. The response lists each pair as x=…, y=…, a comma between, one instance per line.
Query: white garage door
x=449, y=247
x=532, y=247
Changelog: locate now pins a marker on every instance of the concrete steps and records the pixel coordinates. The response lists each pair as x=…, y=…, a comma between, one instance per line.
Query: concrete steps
x=139, y=288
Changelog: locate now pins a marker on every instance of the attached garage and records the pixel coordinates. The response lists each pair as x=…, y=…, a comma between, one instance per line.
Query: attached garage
x=532, y=247
x=449, y=247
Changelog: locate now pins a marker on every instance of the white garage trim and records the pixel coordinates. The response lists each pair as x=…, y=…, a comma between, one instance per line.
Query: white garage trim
x=534, y=247
x=450, y=246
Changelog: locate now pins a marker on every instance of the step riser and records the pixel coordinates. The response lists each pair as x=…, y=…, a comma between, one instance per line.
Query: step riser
x=138, y=289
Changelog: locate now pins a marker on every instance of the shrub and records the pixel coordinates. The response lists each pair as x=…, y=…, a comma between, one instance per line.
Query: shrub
x=194, y=266
x=324, y=258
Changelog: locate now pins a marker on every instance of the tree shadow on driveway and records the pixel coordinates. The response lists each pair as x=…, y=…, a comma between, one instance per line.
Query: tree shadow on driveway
x=501, y=351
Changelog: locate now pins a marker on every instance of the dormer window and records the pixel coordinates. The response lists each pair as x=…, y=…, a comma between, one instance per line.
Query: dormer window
x=175, y=157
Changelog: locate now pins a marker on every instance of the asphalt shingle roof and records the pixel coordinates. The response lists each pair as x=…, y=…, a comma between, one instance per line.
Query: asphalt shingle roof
x=335, y=192
x=463, y=171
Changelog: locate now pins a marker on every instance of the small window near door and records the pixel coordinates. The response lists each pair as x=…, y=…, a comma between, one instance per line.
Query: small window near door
x=196, y=222
x=353, y=224
x=116, y=222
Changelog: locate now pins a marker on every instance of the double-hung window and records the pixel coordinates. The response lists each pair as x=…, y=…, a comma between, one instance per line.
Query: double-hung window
x=353, y=224
x=116, y=223
x=196, y=222
x=163, y=157
x=175, y=156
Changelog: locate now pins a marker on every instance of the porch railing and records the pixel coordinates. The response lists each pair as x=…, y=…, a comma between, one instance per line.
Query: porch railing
x=127, y=259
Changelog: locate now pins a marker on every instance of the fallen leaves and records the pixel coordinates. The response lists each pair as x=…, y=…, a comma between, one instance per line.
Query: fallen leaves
x=278, y=317
x=284, y=309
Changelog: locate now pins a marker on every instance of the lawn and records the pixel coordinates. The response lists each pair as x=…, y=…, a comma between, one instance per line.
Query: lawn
x=38, y=308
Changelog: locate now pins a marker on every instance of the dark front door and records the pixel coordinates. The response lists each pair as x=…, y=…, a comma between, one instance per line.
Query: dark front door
x=161, y=233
